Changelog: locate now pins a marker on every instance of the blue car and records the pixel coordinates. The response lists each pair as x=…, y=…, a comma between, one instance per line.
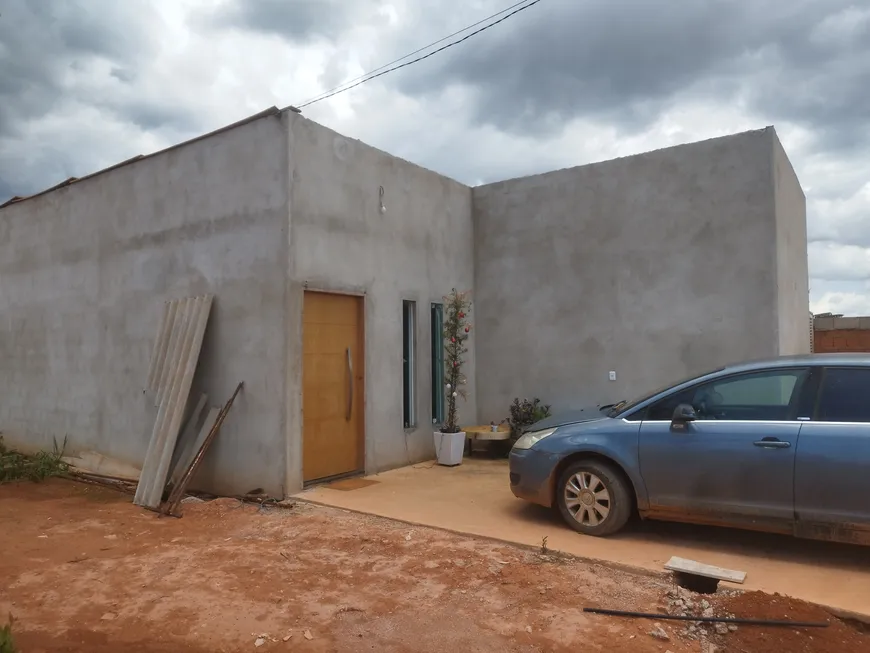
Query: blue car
x=781, y=446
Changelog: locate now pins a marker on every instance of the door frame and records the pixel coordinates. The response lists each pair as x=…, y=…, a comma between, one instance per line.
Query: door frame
x=362, y=307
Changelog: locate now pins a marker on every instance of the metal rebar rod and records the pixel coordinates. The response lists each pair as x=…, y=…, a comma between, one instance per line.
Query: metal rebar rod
x=721, y=620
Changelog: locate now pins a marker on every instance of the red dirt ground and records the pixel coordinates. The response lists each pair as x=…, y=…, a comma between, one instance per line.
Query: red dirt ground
x=81, y=569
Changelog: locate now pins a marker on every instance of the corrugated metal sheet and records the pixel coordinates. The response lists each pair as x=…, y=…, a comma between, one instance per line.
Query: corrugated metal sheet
x=173, y=363
x=187, y=438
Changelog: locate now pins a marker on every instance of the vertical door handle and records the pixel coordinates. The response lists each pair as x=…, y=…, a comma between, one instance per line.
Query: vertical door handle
x=349, y=386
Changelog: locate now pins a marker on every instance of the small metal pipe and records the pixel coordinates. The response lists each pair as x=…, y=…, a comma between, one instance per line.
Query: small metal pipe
x=721, y=620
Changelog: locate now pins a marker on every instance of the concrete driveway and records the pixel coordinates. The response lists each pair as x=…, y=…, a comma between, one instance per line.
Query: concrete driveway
x=475, y=498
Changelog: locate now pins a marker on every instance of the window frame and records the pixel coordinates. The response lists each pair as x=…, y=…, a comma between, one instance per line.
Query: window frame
x=436, y=326
x=819, y=389
x=409, y=363
x=794, y=405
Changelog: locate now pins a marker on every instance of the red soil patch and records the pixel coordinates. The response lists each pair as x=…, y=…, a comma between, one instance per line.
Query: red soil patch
x=82, y=569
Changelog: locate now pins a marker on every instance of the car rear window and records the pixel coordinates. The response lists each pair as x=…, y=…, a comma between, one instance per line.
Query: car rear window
x=845, y=395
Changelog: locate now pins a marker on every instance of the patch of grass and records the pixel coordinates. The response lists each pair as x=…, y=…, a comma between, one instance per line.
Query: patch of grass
x=15, y=466
x=7, y=645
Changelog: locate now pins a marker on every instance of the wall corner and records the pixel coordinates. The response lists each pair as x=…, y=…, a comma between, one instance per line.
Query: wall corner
x=292, y=330
x=792, y=273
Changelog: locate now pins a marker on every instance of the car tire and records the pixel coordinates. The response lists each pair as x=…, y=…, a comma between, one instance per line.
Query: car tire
x=603, y=503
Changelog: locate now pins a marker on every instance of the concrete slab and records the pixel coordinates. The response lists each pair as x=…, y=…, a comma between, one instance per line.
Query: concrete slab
x=475, y=498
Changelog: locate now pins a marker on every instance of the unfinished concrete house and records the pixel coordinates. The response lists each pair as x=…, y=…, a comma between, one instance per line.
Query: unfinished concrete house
x=328, y=260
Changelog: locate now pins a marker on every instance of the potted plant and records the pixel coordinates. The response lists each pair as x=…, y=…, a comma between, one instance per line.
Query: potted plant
x=450, y=440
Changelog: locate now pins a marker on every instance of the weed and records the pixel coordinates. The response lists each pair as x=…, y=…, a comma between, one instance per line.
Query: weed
x=7, y=645
x=15, y=466
x=544, y=549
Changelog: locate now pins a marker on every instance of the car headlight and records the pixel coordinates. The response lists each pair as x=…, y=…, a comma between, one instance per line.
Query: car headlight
x=528, y=440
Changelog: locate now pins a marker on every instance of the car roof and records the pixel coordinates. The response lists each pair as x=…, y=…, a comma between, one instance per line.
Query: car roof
x=846, y=360
x=805, y=360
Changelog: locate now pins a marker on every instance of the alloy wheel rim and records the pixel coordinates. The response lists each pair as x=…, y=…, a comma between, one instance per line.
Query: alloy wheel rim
x=587, y=499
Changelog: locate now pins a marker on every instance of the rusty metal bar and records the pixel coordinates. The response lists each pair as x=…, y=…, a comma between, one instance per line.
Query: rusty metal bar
x=178, y=491
x=186, y=445
x=719, y=620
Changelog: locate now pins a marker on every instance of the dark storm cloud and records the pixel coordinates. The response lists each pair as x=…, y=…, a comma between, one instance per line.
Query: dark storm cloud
x=39, y=41
x=627, y=60
x=151, y=116
x=295, y=20
x=6, y=190
x=123, y=75
x=45, y=43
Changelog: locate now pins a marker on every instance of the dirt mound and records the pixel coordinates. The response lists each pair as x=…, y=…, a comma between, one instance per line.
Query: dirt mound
x=838, y=637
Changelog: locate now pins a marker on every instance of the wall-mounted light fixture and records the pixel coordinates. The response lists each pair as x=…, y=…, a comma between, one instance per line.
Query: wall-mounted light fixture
x=381, y=207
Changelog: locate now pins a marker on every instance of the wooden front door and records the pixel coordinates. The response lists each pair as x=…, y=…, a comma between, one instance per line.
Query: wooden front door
x=333, y=440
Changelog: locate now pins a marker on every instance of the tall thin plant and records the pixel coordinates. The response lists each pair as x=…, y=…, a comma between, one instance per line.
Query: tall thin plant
x=7, y=644
x=457, y=330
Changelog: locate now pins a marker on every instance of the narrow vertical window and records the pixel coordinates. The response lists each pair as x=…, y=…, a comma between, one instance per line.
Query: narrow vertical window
x=437, y=363
x=409, y=321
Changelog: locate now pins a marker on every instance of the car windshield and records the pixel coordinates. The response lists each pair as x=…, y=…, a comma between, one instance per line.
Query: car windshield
x=625, y=406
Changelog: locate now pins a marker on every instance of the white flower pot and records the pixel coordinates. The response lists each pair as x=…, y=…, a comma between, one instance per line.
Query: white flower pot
x=449, y=448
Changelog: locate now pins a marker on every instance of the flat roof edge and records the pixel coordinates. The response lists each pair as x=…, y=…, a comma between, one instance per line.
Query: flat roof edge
x=271, y=111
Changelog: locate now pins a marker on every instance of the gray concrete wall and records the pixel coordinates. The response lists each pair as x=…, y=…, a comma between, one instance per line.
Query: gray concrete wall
x=793, y=290
x=655, y=266
x=418, y=250
x=85, y=271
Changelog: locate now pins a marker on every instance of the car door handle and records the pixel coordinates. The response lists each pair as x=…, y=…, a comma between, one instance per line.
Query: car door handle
x=772, y=443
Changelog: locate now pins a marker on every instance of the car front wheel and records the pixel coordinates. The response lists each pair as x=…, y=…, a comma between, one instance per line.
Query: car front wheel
x=593, y=498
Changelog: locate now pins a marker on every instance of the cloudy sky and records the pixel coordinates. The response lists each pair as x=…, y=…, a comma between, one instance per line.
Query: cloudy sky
x=87, y=83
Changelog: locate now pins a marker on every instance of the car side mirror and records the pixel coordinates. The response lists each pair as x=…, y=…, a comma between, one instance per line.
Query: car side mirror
x=683, y=414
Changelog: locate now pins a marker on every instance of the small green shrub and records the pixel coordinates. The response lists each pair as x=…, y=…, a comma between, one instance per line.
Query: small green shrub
x=524, y=413
x=15, y=466
x=7, y=645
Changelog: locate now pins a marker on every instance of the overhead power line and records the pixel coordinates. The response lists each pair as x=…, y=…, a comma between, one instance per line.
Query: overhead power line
x=321, y=96
x=345, y=86
x=388, y=68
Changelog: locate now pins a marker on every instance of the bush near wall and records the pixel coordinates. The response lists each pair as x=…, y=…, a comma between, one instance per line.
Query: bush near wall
x=524, y=413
